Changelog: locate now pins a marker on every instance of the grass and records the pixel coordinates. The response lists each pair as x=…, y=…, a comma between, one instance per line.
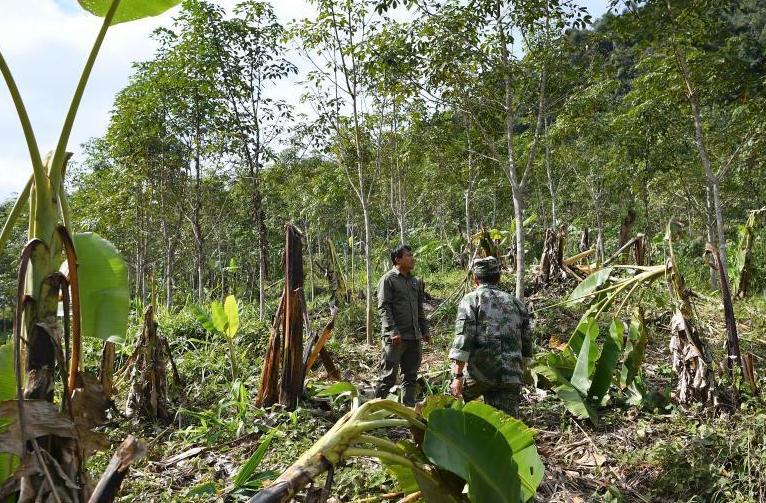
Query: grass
x=668, y=454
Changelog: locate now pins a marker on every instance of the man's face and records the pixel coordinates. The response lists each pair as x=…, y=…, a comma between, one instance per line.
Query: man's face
x=407, y=261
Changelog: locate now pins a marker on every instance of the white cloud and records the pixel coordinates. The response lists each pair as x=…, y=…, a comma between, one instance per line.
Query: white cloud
x=46, y=44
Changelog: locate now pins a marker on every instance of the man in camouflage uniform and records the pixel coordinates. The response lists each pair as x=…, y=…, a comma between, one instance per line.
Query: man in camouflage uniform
x=493, y=336
x=400, y=302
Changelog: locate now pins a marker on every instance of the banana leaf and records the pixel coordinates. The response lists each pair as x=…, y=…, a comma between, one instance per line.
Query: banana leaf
x=610, y=355
x=587, y=329
x=635, y=351
x=474, y=449
x=581, y=376
x=589, y=285
x=521, y=440
x=104, y=288
x=128, y=10
x=231, y=310
x=576, y=403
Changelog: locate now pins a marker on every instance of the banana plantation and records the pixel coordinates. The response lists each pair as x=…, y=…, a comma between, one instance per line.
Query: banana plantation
x=196, y=304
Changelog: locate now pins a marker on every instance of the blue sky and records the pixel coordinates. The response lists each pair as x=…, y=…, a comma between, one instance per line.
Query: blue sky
x=46, y=43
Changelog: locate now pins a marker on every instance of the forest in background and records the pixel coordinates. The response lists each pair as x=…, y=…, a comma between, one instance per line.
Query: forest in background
x=423, y=131
x=460, y=128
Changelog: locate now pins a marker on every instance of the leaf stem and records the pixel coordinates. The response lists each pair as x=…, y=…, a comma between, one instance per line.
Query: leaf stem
x=382, y=423
x=57, y=166
x=371, y=453
x=380, y=443
x=15, y=212
x=26, y=125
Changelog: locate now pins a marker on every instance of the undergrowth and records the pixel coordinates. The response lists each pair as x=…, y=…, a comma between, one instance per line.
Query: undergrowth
x=668, y=453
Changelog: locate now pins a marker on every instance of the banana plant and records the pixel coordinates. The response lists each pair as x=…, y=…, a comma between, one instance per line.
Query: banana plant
x=223, y=319
x=454, y=445
x=95, y=278
x=583, y=373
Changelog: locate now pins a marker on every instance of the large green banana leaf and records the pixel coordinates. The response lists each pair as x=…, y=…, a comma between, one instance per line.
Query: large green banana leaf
x=104, y=289
x=606, y=364
x=473, y=448
x=521, y=440
x=590, y=285
x=128, y=10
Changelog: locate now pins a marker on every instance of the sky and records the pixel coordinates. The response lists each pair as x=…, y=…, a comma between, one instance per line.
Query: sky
x=46, y=43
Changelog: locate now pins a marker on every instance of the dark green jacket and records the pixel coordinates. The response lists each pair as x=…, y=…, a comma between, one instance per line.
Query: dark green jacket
x=400, y=303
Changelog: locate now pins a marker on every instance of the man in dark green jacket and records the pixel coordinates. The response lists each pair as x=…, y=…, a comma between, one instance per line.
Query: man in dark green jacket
x=400, y=302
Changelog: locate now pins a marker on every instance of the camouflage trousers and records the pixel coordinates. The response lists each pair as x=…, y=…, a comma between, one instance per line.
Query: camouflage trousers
x=406, y=356
x=505, y=397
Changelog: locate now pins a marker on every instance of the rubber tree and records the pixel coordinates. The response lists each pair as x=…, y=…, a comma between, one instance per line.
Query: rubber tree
x=250, y=50
x=337, y=35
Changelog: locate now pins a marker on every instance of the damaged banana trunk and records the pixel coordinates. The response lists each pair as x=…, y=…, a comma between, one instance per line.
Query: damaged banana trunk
x=691, y=357
x=147, y=396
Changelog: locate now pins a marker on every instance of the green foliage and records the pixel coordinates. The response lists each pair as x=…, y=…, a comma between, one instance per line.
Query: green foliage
x=607, y=362
x=224, y=320
x=104, y=288
x=230, y=417
x=128, y=10
x=521, y=440
x=246, y=477
x=584, y=372
x=466, y=445
x=477, y=442
x=590, y=285
x=635, y=348
x=706, y=461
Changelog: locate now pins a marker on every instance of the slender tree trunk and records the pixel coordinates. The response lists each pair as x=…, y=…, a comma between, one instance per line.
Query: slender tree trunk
x=350, y=70
x=466, y=197
x=516, y=187
x=139, y=259
x=368, y=270
x=600, y=237
x=549, y=174
x=699, y=138
x=518, y=183
x=469, y=188
x=710, y=230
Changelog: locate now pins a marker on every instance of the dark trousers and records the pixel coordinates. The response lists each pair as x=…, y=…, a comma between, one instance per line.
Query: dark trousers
x=406, y=355
x=505, y=398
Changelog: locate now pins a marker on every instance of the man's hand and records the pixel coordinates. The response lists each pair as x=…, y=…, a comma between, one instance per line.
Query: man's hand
x=427, y=337
x=456, y=388
x=396, y=339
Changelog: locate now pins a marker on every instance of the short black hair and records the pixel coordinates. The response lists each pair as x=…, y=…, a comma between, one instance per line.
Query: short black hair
x=398, y=252
x=491, y=279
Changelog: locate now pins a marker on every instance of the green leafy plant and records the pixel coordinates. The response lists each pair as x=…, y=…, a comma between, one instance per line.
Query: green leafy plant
x=96, y=274
x=340, y=391
x=247, y=478
x=583, y=372
x=222, y=319
x=472, y=444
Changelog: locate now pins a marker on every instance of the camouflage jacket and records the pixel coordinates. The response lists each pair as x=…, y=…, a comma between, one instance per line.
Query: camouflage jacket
x=492, y=334
x=400, y=303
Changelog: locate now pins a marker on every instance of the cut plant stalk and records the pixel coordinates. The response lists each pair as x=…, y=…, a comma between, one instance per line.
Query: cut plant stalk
x=732, y=339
